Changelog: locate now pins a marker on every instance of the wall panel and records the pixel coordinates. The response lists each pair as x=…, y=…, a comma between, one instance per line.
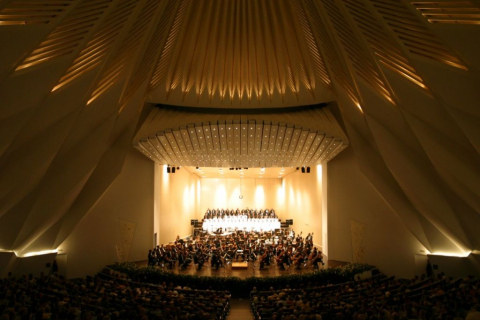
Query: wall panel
x=352, y=200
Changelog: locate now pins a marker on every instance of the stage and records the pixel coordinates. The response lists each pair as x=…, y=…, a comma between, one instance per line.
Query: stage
x=251, y=270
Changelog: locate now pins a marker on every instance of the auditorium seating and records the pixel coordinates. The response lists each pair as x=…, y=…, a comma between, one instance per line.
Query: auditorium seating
x=375, y=298
x=106, y=297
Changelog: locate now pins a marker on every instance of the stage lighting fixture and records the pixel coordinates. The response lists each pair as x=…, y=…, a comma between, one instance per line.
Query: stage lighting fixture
x=173, y=169
x=297, y=168
x=308, y=169
x=303, y=169
x=178, y=168
x=168, y=169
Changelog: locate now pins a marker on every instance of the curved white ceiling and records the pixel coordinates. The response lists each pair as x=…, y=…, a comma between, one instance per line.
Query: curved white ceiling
x=199, y=137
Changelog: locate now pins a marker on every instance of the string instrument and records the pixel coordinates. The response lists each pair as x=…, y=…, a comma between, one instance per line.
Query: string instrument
x=280, y=257
x=312, y=255
x=298, y=259
x=263, y=258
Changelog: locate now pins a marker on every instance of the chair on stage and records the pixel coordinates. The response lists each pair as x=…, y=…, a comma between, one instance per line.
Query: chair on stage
x=238, y=254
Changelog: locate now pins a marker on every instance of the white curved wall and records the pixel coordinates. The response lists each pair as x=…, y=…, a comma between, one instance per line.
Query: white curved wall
x=303, y=201
x=176, y=203
x=128, y=201
x=387, y=243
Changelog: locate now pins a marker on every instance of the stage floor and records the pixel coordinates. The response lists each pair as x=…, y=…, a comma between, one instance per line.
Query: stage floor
x=252, y=270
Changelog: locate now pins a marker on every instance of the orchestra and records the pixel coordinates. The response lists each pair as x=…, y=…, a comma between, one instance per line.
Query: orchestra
x=280, y=247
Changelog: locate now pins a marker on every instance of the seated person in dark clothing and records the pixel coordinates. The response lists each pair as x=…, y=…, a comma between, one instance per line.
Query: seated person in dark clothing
x=151, y=258
x=216, y=261
x=199, y=259
x=169, y=259
x=184, y=259
x=317, y=259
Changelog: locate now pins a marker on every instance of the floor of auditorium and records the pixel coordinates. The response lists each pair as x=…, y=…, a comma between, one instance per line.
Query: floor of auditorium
x=240, y=310
x=252, y=270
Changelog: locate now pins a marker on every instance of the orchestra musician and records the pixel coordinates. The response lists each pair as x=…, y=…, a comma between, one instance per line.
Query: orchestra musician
x=216, y=261
x=282, y=258
x=159, y=252
x=169, y=258
x=298, y=259
x=249, y=245
x=199, y=259
x=317, y=259
x=184, y=259
x=312, y=255
x=265, y=258
x=151, y=258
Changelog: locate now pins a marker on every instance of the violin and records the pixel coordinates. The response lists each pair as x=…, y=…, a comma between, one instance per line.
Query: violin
x=280, y=257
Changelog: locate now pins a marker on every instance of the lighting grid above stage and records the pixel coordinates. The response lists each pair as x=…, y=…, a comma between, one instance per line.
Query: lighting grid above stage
x=204, y=138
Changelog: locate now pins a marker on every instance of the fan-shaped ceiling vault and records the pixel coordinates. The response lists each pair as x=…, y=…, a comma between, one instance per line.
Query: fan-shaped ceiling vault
x=248, y=54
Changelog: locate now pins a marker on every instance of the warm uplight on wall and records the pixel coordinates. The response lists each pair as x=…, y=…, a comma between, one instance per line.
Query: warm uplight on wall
x=451, y=254
x=198, y=191
x=37, y=253
x=359, y=107
x=220, y=196
x=186, y=197
x=281, y=195
x=165, y=178
x=30, y=254
x=259, y=197
x=291, y=195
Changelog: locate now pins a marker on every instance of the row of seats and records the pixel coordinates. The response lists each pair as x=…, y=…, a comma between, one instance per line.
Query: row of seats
x=375, y=298
x=106, y=297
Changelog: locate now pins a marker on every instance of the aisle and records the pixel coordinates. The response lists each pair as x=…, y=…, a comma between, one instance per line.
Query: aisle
x=240, y=310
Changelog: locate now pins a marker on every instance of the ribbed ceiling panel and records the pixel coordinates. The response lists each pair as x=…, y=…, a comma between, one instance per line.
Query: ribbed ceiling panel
x=204, y=138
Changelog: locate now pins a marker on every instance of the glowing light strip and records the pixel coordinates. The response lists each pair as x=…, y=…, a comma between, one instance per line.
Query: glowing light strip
x=451, y=254
x=31, y=254
x=38, y=253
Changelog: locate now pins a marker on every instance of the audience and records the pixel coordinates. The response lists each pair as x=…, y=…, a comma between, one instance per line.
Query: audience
x=109, y=295
x=53, y=297
x=374, y=298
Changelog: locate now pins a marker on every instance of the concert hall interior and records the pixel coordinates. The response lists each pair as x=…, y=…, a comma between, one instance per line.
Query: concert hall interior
x=123, y=120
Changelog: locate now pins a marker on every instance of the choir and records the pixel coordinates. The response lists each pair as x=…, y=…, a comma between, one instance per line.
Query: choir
x=246, y=219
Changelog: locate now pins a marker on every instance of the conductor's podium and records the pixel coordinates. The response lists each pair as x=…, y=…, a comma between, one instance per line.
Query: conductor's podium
x=240, y=265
